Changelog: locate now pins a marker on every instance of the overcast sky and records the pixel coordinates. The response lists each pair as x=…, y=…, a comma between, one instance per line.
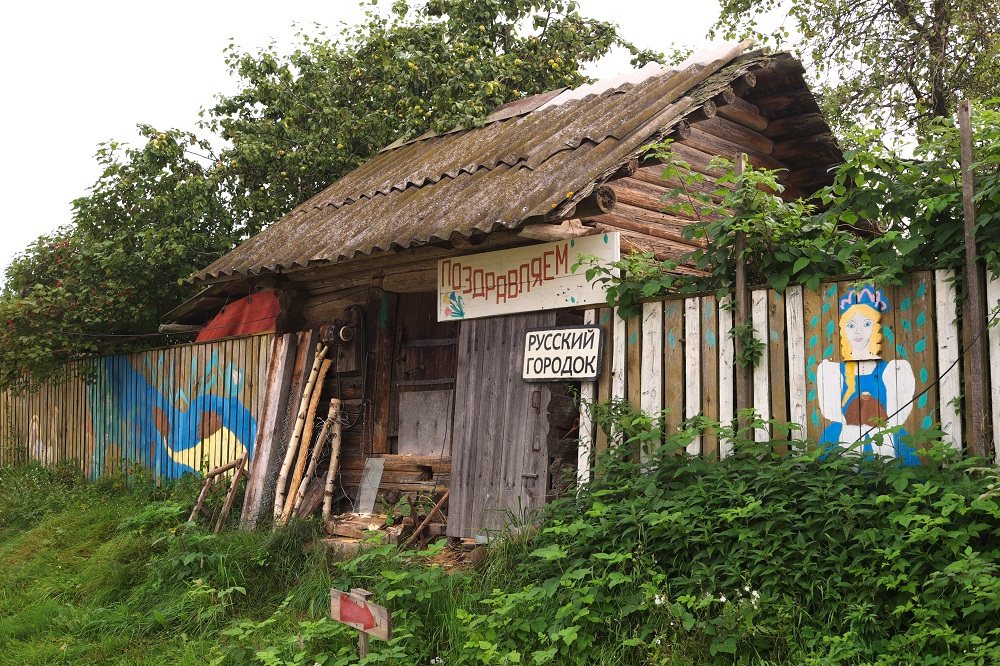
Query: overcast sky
x=79, y=73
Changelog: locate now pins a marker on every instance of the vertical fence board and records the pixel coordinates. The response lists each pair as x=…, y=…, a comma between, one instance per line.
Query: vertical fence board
x=761, y=378
x=651, y=370
x=949, y=380
x=812, y=304
x=673, y=364
x=633, y=358
x=604, y=381
x=692, y=366
x=919, y=338
x=588, y=393
x=727, y=385
x=795, y=337
x=778, y=368
x=709, y=345
x=618, y=359
x=993, y=349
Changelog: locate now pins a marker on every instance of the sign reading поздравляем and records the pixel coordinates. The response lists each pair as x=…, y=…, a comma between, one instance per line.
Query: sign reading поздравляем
x=522, y=279
x=564, y=353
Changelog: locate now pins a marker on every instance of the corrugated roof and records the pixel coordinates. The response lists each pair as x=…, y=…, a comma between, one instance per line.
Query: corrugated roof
x=533, y=157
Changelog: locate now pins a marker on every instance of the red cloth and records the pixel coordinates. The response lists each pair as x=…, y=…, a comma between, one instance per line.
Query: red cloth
x=256, y=313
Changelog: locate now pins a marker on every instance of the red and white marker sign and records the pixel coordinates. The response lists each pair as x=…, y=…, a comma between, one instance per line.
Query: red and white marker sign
x=364, y=616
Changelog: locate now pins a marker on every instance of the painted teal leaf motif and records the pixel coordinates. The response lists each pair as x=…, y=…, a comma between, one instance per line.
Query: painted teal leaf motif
x=901, y=351
x=671, y=339
x=921, y=319
x=672, y=308
x=828, y=352
x=888, y=334
x=923, y=374
x=812, y=394
x=813, y=341
x=815, y=418
x=832, y=291
x=605, y=317
x=907, y=326
x=811, y=361
x=904, y=305
x=920, y=346
x=709, y=310
x=710, y=338
x=927, y=423
x=831, y=326
x=633, y=338
x=922, y=401
x=812, y=377
x=826, y=308
x=921, y=290
x=814, y=322
x=774, y=335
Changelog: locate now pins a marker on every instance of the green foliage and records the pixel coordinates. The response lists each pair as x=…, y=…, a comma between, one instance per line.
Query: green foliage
x=298, y=122
x=884, y=63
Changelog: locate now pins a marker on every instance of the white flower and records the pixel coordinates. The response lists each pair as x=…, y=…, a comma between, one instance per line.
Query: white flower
x=658, y=600
x=722, y=598
x=437, y=660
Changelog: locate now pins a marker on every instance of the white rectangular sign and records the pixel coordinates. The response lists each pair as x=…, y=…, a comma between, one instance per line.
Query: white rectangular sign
x=522, y=279
x=562, y=353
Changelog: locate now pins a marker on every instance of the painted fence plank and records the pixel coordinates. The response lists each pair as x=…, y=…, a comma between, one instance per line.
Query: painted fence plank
x=727, y=384
x=619, y=361
x=949, y=379
x=916, y=336
x=795, y=337
x=673, y=364
x=633, y=358
x=588, y=393
x=778, y=369
x=692, y=366
x=761, y=374
x=709, y=344
x=604, y=381
x=651, y=370
x=992, y=303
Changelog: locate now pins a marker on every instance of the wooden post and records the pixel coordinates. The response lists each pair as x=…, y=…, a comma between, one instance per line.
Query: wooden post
x=231, y=495
x=331, y=473
x=362, y=636
x=743, y=375
x=975, y=394
x=427, y=520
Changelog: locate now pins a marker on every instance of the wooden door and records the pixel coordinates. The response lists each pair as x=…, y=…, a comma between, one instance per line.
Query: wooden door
x=499, y=471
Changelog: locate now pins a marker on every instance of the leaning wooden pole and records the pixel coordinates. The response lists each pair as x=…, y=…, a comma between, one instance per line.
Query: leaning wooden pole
x=300, y=421
x=306, y=440
x=975, y=314
x=231, y=495
x=314, y=459
x=744, y=395
x=427, y=520
x=331, y=473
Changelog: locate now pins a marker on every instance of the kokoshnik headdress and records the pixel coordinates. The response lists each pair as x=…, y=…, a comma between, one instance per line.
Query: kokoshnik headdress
x=867, y=295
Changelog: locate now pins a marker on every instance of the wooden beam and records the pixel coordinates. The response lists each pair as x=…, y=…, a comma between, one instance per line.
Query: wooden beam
x=974, y=315
x=739, y=111
x=738, y=134
x=805, y=149
x=382, y=361
x=713, y=145
x=796, y=126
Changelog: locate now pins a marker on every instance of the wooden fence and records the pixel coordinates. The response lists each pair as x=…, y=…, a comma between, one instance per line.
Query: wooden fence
x=169, y=411
x=677, y=355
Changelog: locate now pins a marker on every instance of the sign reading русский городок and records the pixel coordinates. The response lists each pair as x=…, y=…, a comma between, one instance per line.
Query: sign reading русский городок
x=562, y=353
x=523, y=279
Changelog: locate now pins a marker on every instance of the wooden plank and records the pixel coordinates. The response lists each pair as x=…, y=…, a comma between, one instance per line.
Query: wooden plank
x=604, y=381
x=633, y=362
x=915, y=333
x=692, y=366
x=992, y=303
x=618, y=365
x=812, y=309
x=673, y=365
x=973, y=315
x=796, y=367
x=588, y=393
x=727, y=377
x=382, y=362
x=651, y=370
x=949, y=379
x=709, y=351
x=266, y=451
x=778, y=370
x=465, y=428
x=761, y=372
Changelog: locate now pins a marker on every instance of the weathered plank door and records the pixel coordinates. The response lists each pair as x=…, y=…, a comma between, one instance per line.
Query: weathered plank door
x=499, y=469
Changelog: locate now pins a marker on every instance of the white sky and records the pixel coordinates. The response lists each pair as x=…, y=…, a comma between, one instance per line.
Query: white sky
x=79, y=73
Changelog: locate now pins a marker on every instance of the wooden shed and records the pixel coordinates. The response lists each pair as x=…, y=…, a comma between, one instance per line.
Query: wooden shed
x=434, y=388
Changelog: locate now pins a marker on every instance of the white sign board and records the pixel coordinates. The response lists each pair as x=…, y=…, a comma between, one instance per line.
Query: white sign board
x=523, y=279
x=562, y=353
